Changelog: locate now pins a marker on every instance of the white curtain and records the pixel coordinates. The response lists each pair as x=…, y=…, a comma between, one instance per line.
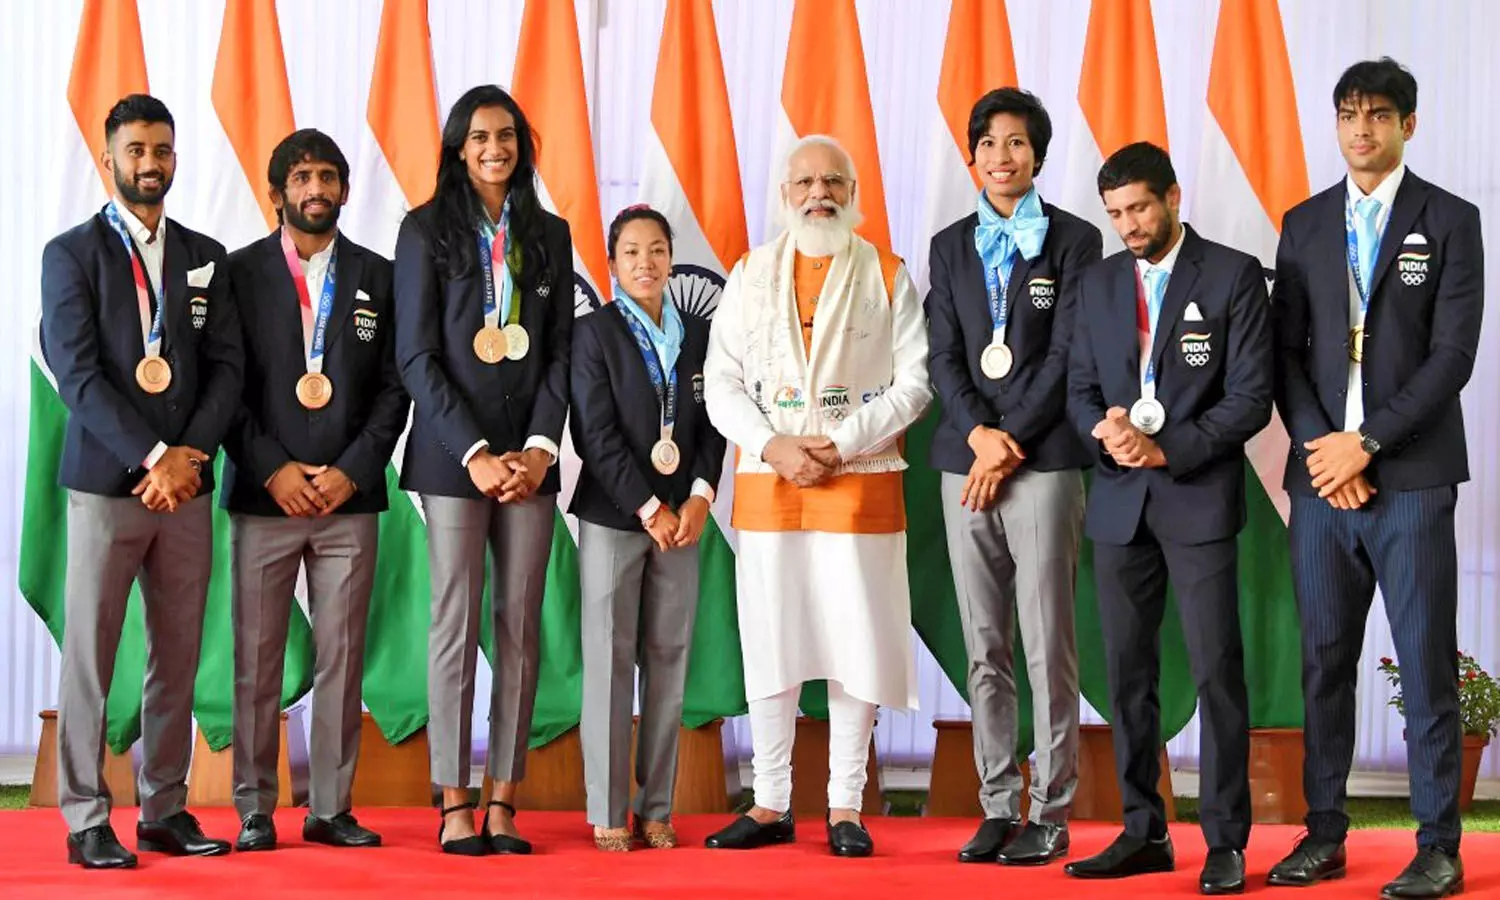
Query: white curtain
x=330, y=47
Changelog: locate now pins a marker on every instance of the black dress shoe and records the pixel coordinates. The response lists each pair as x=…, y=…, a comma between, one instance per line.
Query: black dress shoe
x=177, y=835
x=257, y=832
x=98, y=848
x=504, y=843
x=1037, y=844
x=985, y=845
x=1432, y=873
x=1128, y=855
x=1311, y=861
x=1223, y=872
x=340, y=831
x=849, y=839
x=745, y=833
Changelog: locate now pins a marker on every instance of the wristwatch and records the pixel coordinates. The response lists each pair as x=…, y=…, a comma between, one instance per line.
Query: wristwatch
x=1368, y=443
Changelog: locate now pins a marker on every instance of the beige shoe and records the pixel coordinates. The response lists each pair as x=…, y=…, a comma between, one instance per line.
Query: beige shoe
x=656, y=835
x=612, y=840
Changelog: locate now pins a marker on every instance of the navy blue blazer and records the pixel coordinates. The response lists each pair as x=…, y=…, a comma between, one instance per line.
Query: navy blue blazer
x=91, y=340
x=1030, y=402
x=357, y=430
x=458, y=398
x=616, y=421
x=1421, y=333
x=1213, y=377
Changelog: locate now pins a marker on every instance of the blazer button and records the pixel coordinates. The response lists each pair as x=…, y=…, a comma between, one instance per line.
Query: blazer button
x=171, y=406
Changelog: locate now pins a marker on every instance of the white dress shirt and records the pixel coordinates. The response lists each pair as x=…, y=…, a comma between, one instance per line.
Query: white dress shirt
x=1354, y=402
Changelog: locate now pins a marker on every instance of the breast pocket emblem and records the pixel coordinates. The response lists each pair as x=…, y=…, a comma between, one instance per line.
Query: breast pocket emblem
x=365, y=321
x=1197, y=348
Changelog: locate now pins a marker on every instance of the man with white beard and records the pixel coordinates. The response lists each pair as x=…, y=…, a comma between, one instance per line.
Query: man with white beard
x=816, y=367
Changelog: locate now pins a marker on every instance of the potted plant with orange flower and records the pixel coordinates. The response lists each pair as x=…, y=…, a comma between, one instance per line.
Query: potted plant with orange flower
x=1478, y=708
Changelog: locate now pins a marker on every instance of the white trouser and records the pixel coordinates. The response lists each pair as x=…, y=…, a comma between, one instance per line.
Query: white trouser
x=773, y=723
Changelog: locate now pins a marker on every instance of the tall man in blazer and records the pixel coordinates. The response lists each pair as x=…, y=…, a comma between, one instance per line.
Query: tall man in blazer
x=1000, y=316
x=1170, y=375
x=1379, y=292
x=322, y=408
x=142, y=337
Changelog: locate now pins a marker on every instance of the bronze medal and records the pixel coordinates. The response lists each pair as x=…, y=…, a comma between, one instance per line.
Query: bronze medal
x=666, y=456
x=1357, y=345
x=153, y=374
x=314, y=390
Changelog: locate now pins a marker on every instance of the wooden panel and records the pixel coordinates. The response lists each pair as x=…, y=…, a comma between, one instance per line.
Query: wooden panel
x=554, y=776
x=1276, y=756
x=119, y=771
x=211, y=776
x=391, y=774
x=954, y=790
x=1098, y=795
x=810, y=773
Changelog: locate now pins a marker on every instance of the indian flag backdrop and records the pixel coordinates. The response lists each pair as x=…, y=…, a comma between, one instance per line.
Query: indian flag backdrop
x=397, y=170
x=690, y=172
x=109, y=61
x=1252, y=170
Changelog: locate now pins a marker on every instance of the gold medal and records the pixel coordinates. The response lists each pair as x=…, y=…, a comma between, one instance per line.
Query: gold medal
x=517, y=342
x=153, y=374
x=314, y=390
x=1357, y=344
x=490, y=344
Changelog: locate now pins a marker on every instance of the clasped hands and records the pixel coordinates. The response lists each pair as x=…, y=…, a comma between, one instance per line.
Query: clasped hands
x=1337, y=461
x=173, y=481
x=510, y=476
x=806, y=461
x=997, y=455
x=308, y=491
x=682, y=528
x=1126, y=444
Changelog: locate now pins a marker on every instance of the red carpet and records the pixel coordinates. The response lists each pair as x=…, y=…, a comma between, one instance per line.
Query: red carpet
x=914, y=859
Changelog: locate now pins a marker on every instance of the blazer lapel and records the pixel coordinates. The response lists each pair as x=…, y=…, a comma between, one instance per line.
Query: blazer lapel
x=349, y=265
x=174, y=267
x=1179, y=287
x=1410, y=198
x=1016, y=289
x=1331, y=255
x=1122, y=315
x=969, y=282
x=121, y=283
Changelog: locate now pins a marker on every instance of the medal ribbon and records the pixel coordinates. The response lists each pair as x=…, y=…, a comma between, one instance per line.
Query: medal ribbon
x=319, y=328
x=151, y=325
x=1364, y=270
x=665, y=384
x=1153, y=301
x=495, y=247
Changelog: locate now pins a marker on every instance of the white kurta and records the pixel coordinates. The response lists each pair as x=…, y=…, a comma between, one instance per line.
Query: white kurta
x=819, y=605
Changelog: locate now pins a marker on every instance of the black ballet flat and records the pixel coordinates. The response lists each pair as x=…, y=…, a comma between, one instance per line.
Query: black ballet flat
x=473, y=845
x=503, y=843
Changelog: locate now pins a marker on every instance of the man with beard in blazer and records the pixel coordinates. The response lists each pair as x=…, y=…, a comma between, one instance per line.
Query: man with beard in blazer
x=322, y=408
x=1170, y=375
x=143, y=340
